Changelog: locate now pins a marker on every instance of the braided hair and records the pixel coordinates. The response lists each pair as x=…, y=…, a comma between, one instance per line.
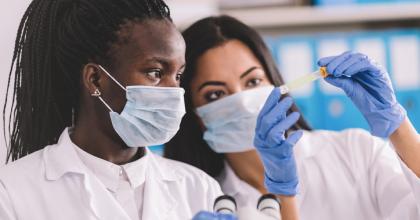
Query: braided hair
x=55, y=39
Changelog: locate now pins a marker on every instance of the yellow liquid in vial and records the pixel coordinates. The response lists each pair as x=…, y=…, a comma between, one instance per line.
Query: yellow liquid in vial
x=286, y=88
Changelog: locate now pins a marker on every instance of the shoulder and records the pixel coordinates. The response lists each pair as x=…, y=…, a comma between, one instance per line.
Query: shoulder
x=189, y=184
x=344, y=135
x=357, y=140
x=183, y=170
x=354, y=137
x=351, y=146
x=186, y=173
x=23, y=169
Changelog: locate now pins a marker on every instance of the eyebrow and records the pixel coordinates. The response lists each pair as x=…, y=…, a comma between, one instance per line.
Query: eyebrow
x=218, y=83
x=249, y=71
x=162, y=61
x=182, y=67
x=211, y=83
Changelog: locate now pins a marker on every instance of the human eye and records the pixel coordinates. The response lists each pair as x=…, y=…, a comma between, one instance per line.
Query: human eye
x=214, y=95
x=252, y=83
x=154, y=74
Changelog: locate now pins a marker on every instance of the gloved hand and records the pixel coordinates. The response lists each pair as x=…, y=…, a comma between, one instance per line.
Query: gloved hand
x=203, y=215
x=370, y=89
x=275, y=150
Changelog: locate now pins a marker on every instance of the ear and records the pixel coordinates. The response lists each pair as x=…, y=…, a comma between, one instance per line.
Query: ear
x=91, y=77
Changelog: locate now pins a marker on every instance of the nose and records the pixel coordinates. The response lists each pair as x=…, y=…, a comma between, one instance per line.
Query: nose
x=235, y=89
x=169, y=81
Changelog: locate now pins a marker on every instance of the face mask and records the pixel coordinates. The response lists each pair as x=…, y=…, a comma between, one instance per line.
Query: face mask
x=231, y=121
x=151, y=116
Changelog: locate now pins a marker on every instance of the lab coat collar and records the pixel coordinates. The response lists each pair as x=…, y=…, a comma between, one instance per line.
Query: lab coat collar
x=62, y=158
x=158, y=202
x=136, y=170
x=160, y=169
x=107, y=172
x=110, y=173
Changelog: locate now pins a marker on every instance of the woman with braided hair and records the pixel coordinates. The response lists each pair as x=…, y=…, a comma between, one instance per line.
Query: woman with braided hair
x=95, y=83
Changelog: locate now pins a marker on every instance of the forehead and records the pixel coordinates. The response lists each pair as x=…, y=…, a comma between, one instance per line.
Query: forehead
x=229, y=59
x=147, y=39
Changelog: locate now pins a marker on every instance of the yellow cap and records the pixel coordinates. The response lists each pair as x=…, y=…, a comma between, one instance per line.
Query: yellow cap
x=323, y=71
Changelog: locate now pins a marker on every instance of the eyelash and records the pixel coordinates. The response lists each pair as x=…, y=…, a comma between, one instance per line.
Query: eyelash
x=208, y=95
x=158, y=71
x=179, y=76
x=259, y=80
x=221, y=93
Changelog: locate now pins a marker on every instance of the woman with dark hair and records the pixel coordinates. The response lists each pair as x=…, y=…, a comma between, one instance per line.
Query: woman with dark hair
x=95, y=83
x=238, y=130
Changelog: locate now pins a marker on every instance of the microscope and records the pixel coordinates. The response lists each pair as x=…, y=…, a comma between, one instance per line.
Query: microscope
x=268, y=208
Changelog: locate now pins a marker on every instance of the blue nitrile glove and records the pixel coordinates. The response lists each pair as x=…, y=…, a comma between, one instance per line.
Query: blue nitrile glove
x=369, y=87
x=275, y=150
x=203, y=215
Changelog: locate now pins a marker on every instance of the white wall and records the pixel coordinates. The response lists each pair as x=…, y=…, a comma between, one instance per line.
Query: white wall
x=10, y=15
x=186, y=12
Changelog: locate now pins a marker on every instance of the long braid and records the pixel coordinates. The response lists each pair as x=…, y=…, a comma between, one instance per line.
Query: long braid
x=55, y=39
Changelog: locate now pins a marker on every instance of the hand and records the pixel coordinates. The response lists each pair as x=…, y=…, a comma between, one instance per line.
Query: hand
x=275, y=150
x=370, y=89
x=203, y=215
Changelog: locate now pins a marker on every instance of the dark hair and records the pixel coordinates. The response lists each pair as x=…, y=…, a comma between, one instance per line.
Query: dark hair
x=188, y=145
x=55, y=39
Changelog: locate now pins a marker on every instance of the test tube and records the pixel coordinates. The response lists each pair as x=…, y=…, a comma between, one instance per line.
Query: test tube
x=286, y=88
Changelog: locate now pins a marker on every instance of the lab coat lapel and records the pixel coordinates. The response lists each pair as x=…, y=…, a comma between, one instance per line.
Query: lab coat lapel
x=100, y=200
x=62, y=159
x=158, y=203
x=303, y=153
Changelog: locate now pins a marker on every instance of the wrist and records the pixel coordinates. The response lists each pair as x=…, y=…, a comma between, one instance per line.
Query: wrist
x=406, y=142
x=289, y=188
x=286, y=199
x=385, y=122
x=288, y=207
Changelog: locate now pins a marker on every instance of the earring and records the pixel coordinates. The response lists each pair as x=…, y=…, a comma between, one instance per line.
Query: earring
x=96, y=93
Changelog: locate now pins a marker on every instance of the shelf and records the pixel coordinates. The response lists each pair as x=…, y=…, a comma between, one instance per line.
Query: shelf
x=321, y=16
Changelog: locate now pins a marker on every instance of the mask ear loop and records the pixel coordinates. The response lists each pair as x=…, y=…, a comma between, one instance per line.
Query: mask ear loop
x=97, y=94
x=113, y=79
x=73, y=120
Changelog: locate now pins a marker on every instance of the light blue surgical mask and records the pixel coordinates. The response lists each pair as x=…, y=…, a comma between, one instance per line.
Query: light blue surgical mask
x=231, y=121
x=151, y=116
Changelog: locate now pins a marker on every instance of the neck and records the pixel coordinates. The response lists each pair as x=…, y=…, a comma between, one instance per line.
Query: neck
x=248, y=167
x=99, y=143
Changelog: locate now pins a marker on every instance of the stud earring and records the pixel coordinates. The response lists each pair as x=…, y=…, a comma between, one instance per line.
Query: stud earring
x=96, y=93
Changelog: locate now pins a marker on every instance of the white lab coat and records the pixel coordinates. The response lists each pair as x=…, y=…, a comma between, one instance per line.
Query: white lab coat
x=344, y=175
x=54, y=184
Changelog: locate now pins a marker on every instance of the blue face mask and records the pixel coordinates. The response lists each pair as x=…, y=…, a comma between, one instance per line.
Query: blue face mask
x=151, y=116
x=231, y=121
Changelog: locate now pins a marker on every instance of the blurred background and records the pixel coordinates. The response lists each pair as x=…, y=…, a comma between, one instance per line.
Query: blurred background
x=298, y=33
